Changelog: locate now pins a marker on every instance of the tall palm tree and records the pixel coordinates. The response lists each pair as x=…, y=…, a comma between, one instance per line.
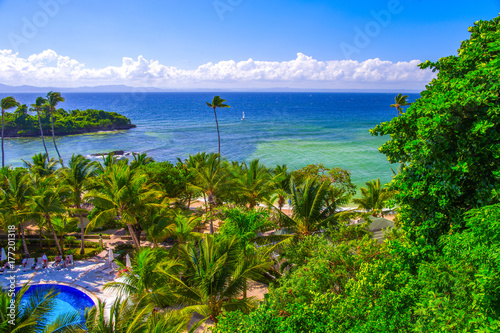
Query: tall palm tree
x=6, y=104
x=78, y=177
x=400, y=101
x=217, y=102
x=39, y=103
x=210, y=178
x=215, y=277
x=126, y=195
x=253, y=183
x=46, y=201
x=53, y=98
x=14, y=200
x=374, y=198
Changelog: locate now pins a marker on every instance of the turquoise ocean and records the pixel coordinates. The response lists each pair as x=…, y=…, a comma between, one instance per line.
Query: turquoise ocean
x=295, y=129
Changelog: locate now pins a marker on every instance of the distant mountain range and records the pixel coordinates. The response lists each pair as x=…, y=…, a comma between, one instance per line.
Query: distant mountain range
x=5, y=89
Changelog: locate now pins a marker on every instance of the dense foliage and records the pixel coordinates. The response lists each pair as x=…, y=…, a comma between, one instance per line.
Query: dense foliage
x=440, y=271
x=449, y=139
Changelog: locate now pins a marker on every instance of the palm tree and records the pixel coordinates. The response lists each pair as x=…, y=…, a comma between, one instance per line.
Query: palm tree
x=281, y=184
x=46, y=201
x=400, y=101
x=140, y=159
x=143, y=285
x=41, y=165
x=160, y=225
x=310, y=212
x=14, y=202
x=217, y=102
x=126, y=195
x=22, y=110
x=127, y=317
x=39, y=103
x=53, y=98
x=6, y=104
x=374, y=198
x=78, y=177
x=253, y=183
x=215, y=277
x=210, y=178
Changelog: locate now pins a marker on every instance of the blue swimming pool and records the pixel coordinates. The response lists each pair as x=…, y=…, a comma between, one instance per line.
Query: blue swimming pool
x=68, y=299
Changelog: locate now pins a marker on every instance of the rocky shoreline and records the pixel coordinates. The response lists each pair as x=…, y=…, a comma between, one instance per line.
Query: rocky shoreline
x=9, y=133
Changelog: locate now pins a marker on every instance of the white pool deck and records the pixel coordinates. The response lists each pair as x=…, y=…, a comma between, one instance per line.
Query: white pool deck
x=88, y=275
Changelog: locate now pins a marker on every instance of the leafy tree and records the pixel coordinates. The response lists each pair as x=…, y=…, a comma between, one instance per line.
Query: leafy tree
x=217, y=102
x=340, y=186
x=53, y=98
x=374, y=198
x=399, y=102
x=39, y=103
x=6, y=104
x=448, y=140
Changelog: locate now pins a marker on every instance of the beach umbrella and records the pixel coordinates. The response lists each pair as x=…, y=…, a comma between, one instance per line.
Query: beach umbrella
x=4, y=256
x=128, y=264
x=110, y=257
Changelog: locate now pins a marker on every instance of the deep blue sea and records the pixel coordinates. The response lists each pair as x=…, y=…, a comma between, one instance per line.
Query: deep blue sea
x=279, y=128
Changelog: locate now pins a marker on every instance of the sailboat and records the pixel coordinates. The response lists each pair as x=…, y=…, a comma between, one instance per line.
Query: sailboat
x=243, y=118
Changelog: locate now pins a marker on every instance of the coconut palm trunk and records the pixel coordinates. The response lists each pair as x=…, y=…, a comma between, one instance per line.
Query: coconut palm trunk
x=131, y=231
x=56, y=239
x=41, y=133
x=23, y=238
x=6, y=103
x=216, y=123
x=82, y=233
x=3, y=153
x=217, y=102
x=54, y=137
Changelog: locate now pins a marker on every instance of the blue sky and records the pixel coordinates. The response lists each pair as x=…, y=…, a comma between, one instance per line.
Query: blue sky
x=187, y=34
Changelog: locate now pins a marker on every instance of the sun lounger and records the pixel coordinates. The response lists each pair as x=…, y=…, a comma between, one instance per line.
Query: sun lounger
x=40, y=263
x=30, y=263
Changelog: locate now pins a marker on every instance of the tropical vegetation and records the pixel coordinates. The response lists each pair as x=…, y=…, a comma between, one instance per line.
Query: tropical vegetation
x=438, y=270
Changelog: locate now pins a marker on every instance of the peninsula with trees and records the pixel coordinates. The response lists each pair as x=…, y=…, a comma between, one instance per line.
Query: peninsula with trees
x=20, y=123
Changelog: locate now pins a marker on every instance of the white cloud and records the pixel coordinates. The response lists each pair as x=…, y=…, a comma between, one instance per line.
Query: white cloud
x=50, y=69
